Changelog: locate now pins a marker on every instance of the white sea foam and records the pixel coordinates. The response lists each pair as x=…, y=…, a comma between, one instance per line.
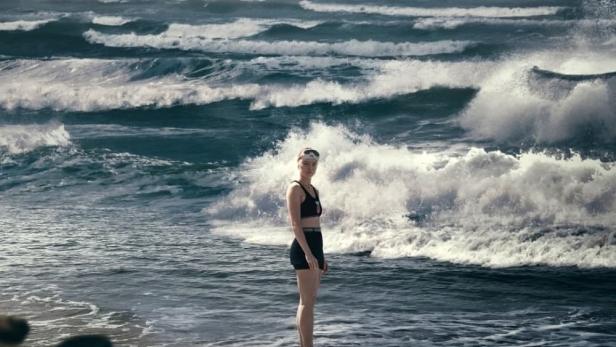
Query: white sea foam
x=439, y=23
x=25, y=138
x=479, y=207
x=91, y=131
x=431, y=23
x=481, y=11
x=111, y=20
x=93, y=84
x=294, y=62
x=368, y=48
x=513, y=103
x=157, y=94
x=24, y=25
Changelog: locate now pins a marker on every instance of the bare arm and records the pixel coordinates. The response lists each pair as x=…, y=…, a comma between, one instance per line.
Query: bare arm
x=294, y=200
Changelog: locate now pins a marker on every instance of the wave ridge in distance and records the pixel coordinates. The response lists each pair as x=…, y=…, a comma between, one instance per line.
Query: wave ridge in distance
x=482, y=11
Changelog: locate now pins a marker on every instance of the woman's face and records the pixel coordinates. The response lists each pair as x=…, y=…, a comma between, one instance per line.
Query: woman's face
x=307, y=167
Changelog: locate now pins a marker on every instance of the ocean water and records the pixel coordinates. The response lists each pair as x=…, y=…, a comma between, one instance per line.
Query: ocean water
x=468, y=170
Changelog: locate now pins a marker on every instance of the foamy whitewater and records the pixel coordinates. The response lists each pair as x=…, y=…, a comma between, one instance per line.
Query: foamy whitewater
x=467, y=172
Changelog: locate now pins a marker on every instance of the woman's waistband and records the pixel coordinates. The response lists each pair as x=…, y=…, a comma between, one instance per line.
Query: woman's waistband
x=313, y=230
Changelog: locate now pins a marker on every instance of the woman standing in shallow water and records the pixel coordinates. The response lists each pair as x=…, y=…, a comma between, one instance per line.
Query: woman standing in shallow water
x=307, y=248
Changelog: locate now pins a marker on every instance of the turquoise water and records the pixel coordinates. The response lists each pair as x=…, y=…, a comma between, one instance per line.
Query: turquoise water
x=468, y=171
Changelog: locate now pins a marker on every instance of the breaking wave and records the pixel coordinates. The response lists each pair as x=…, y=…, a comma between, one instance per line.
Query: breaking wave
x=469, y=206
x=18, y=139
x=370, y=48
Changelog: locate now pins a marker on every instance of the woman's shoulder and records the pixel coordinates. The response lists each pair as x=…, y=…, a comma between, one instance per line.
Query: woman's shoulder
x=294, y=185
x=294, y=189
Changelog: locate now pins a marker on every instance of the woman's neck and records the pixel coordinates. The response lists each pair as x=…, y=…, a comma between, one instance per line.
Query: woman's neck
x=305, y=181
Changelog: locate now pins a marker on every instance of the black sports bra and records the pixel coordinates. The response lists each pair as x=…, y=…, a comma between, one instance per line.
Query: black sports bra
x=310, y=207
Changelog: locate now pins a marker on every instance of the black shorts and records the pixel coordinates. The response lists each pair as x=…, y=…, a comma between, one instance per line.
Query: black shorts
x=315, y=242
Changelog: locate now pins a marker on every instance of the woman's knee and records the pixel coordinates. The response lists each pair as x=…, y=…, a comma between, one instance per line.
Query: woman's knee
x=307, y=300
x=308, y=305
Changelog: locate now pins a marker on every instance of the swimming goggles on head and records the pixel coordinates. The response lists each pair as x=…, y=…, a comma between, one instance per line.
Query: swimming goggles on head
x=310, y=154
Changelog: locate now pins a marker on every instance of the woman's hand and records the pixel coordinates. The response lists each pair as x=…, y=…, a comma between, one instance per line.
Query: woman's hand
x=325, y=267
x=313, y=263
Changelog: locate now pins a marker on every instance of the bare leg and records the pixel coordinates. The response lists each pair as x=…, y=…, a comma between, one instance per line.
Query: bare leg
x=299, y=332
x=308, y=282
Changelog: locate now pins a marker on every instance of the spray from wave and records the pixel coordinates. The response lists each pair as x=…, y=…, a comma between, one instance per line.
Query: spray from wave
x=572, y=101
